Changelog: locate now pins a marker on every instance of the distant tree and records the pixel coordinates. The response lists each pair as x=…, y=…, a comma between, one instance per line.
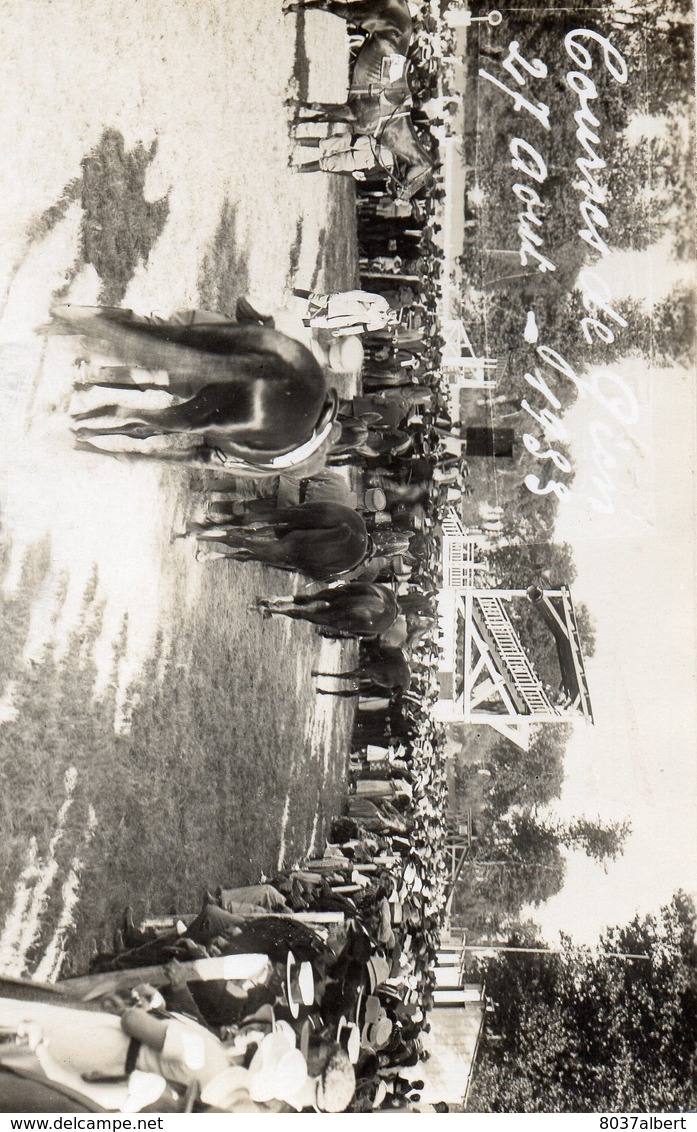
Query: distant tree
x=665, y=333
x=528, y=517
x=582, y=1031
x=506, y=886
x=669, y=54
x=524, y=834
x=637, y=219
x=519, y=566
x=520, y=860
x=603, y=842
x=527, y=778
x=16, y=604
x=586, y=628
x=517, y=862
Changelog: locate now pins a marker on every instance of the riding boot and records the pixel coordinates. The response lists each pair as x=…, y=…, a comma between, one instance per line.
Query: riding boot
x=308, y=167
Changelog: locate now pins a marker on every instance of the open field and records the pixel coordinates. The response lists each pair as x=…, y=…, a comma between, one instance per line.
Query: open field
x=155, y=736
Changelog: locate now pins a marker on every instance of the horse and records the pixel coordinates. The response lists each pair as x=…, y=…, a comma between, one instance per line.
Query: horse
x=382, y=668
x=377, y=106
x=244, y=390
x=351, y=609
x=319, y=539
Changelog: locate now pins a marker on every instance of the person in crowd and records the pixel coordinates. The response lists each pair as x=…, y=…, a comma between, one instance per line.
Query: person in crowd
x=357, y=155
x=347, y=312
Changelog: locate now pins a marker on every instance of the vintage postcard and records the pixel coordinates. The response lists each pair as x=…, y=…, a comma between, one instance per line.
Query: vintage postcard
x=347, y=558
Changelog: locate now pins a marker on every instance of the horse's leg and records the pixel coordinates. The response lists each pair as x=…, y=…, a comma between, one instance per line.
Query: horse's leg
x=297, y=5
x=354, y=13
x=121, y=401
x=262, y=509
x=222, y=513
x=224, y=508
x=230, y=405
x=353, y=675
x=210, y=532
x=341, y=695
x=230, y=540
x=216, y=537
x=312, y=603
x=322, y=111
x=102, y=426
x=224, y=550
x=308, y=167
x=279, y=605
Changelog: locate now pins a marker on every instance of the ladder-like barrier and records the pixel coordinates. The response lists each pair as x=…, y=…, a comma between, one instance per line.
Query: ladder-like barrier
x=462, y=553
x=498, y=624
x=461, y=562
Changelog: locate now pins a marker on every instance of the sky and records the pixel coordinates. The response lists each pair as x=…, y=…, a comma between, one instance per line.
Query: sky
x=636, y=573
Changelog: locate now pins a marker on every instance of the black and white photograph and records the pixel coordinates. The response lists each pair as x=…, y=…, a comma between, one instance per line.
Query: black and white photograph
x=348, y=619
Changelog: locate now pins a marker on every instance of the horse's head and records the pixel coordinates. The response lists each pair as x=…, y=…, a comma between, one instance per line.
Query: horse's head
x=411, y=153
x=415, y=180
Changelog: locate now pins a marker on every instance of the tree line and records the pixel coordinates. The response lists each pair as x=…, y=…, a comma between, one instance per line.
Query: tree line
x=607, y=1029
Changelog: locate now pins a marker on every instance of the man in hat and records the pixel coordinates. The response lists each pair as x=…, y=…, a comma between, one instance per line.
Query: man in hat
x=357, y=155
x=347, y=312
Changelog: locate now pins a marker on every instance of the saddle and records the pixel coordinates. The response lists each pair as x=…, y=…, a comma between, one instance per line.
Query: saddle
x=240, y=458
x=391, y=91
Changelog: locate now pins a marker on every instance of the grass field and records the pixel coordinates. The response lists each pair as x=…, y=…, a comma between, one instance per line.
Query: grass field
x=222, y=768
x=156, y=737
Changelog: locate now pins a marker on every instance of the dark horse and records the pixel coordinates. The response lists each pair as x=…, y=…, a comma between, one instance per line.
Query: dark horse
x=381, y=669
x=352, y=609
x=247, y=390
x=319, y=539
x=376, y=105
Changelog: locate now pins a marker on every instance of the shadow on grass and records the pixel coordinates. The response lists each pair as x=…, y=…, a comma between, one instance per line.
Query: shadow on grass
x=195, y=792
x=224, y=277
x=301, y=60
x=119, y=227
x=295, y=249
x=336, y=267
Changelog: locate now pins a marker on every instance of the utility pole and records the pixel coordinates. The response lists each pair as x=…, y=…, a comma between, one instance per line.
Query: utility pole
x=488, y=947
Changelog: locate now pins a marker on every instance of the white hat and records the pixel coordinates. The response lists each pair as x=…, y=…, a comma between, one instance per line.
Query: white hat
x=226, y=1088
x=300, y=984
x=336, y=1086
x=278, y=1070
x=346, y=354
x=349, y=1038
x=143, y=1090
x=380, y=1094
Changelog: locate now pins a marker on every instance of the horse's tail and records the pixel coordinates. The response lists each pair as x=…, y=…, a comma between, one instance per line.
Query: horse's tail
x=182, y=349
x=378, y=17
